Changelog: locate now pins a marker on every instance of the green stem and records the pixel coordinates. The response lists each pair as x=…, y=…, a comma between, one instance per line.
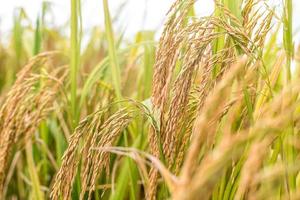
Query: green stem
x=74, y=59
x=38, y=195
x=288, y=35
x=113, y=59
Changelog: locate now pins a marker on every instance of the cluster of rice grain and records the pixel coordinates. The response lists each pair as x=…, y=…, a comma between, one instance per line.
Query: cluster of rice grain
x=191, y=45
x=26, y=105
x=97, y=133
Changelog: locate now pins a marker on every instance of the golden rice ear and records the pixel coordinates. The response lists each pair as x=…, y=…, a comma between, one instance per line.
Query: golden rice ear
x=26, y=106
x=191, y=40
x=213, y=103
x=232, y=147
x=198, y=43
x=165, y=61
x=61, y=188
x=95, y=133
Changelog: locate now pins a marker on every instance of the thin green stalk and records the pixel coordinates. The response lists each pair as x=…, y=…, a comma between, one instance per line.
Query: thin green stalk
x=37, y=37
x=288, y=35
x=218, y=43
x=74, y=66
x=38, y=195
x=222, y=185
x=18, y=34
x=17, y=47
x=43, y=126
x=113, y=59
x=288, y=150
x=74, y=59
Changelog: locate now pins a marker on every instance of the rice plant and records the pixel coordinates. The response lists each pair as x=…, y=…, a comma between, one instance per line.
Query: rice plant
x=209, y=111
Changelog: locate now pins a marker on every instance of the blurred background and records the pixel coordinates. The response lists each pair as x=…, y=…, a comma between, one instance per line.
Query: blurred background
x=130, y=16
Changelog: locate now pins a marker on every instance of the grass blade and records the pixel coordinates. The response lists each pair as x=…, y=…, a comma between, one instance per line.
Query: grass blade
x=113, y=59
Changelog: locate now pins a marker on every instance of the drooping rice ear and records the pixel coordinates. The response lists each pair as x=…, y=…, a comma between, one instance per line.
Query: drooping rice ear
x=95, y=133
x=26, y=106
x=202, y=127
x=165, y=61
x=199, y=41
x=110, y=132
x=64, y=178
x=233, y=146
x=196, y=100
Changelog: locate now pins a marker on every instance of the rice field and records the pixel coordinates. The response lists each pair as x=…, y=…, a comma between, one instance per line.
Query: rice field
x=211, y=110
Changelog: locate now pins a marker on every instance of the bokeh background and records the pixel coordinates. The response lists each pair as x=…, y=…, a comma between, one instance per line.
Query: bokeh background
x=130, y=15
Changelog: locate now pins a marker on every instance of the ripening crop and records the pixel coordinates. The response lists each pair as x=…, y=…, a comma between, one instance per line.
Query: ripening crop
x=211, y=110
